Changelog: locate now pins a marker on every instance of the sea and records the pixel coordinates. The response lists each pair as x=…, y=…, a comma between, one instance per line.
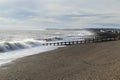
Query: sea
x=16, y=44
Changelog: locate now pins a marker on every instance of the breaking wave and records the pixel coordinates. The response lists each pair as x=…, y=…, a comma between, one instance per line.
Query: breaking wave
x=6, y=46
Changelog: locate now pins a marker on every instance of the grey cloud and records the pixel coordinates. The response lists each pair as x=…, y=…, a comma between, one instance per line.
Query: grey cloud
x=108, y=24
x=90, y=15
x=67, y=13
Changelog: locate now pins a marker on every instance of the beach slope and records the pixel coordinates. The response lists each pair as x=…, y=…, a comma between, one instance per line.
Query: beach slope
x=94, y=61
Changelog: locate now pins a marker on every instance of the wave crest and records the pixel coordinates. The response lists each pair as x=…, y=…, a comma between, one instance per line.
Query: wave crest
x=14, y=45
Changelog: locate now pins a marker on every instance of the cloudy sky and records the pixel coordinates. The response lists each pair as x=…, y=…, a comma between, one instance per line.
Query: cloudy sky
x=41, y=14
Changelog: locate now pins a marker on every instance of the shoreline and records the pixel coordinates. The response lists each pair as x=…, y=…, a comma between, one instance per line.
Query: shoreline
x=93, y=61
x=11, y=56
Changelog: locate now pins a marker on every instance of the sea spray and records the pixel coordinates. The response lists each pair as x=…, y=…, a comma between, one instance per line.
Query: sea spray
x=15, y=45
x=18, y=44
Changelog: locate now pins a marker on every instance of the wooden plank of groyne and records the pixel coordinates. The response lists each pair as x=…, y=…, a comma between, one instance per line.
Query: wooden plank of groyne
x=58, y=43
x=69, y=43
x=77, y=42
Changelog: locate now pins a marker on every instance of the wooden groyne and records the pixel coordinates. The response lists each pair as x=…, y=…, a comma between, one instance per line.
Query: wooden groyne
x=100, y=35
x=85, y=41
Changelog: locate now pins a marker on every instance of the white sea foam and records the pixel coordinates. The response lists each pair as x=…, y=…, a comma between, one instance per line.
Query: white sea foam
x=6, y=46
x=13, y=55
